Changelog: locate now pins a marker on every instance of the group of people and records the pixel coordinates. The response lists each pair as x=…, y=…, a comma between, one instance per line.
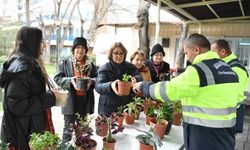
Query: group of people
x=209, y=113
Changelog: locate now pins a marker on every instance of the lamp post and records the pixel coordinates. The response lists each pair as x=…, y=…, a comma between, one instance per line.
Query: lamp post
x=4, y=38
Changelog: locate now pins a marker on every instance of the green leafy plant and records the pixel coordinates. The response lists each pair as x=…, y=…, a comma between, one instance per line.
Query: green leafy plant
x=131, y=108
x=149, y=138
x=126, y=77
x=4, y=146
x=119, y=111
x=139, y=102
x=151, y=111
x=44, y=140
x=164, y=112
x=177, y=107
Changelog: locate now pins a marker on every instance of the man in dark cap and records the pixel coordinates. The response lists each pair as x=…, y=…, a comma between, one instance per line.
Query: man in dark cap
x=159, y=69
x=79, y=101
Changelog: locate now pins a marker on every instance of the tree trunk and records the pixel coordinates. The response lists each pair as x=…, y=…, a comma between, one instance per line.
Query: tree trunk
x=180, y=54
x=143, y=23
x=101, y=8
x=27, y=12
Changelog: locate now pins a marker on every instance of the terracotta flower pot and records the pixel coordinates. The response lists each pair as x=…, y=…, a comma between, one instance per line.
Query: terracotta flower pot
x=129, y=119
x=177, y=118
x=159, y=128
x=92, y=146
x=109, y=146
x=102, y=130
x=148, y=118
x=147, y=103
x=146, y=147
x=120, y=120
x=124, y=87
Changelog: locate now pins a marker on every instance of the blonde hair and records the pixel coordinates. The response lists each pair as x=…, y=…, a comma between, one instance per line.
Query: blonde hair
x=137, y=52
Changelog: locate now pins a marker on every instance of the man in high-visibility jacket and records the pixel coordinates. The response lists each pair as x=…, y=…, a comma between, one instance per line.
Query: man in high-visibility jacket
x=208, y=90
x=222, y=48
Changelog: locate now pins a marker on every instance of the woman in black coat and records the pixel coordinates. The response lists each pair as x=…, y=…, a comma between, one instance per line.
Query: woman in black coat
x=78, y=101
x=159, y=69
x=108, y=76
x=26, y=99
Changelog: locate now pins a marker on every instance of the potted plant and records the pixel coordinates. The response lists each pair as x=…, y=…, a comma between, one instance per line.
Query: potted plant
x=149, y=140
x=177, y=114
x=83, y=72
x=148, y=102
x=130, y=112
x=113, y=128
x=159, y=123
x=83, y=133
x=124, y=86
x=150, y=114
x=167, y=110
x=120, y=116
x=44, y=141
x=139, y=104
x=101, y=125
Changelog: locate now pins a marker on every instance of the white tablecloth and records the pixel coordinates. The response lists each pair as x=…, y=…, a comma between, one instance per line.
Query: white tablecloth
x=126, y=140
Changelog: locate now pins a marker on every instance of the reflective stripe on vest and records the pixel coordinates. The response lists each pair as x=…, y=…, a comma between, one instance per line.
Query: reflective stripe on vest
x=209, y=111
x=162, y=90
x=210, y=123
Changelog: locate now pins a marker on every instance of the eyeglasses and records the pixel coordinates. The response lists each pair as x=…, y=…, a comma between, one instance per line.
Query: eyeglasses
x=117, y=53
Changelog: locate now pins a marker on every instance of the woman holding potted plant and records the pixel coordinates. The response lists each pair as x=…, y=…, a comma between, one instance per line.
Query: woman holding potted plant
x=26, y=102
x=79, y=100
x=108, y=77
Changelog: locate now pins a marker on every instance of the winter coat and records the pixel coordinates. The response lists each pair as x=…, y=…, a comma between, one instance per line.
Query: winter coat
x=109, y=72
x=25, y=100
x=162, y=74
x=63, y=79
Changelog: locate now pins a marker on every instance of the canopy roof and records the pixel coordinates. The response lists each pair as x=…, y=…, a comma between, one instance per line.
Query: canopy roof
x=207, y=10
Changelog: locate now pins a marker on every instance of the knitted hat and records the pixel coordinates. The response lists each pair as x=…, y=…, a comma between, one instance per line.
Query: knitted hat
x=157, y=48
x=79, y=41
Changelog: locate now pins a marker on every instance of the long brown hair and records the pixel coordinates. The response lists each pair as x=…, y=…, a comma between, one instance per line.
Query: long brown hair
x=28, y=42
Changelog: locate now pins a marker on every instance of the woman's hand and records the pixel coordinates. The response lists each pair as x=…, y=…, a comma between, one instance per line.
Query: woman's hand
x=136, y=88
x=114, y=87
x=89, y=84
x=73, y=82
x=133, y=80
